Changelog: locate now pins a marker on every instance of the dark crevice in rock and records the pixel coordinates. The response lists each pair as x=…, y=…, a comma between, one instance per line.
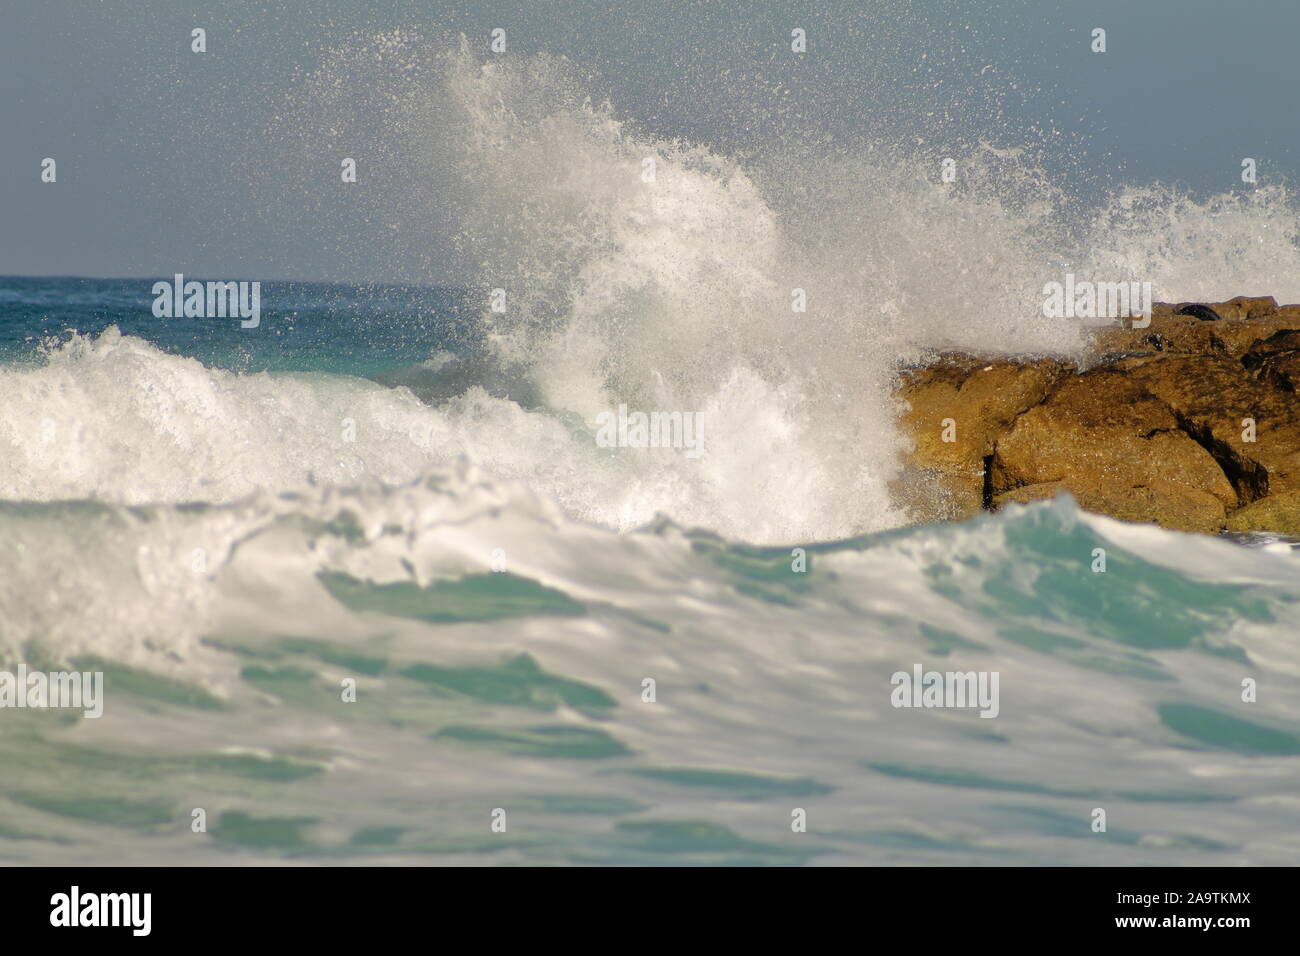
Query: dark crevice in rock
x=986, y=501
x=1262, y=365
x=1052, y=386
x=1278, y=380
x=1248, y=478
x=1110, y=358
x=1199, y=310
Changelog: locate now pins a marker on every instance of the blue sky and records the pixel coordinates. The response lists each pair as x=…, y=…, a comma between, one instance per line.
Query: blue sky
x=163, y=165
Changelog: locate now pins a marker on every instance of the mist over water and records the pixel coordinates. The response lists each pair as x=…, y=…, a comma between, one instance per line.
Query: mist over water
x=664, y=291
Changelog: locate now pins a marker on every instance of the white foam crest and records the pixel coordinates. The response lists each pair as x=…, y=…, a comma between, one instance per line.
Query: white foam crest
x=113, y=417
x=143, y=585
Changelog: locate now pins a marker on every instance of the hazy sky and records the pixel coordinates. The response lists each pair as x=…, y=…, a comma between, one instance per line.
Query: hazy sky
x=165, y=163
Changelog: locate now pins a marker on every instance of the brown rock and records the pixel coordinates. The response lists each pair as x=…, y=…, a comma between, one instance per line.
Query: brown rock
x=1155, y=430
x=1102, y=435
x=1275, y=361
x=1281, y=371
x=1243, y=322
x=1280, y=513
x=1181, y=510
x=970, y=401
x=1212, y=396
x=1166, y=333
x=1245, y=307
x=1240, y=336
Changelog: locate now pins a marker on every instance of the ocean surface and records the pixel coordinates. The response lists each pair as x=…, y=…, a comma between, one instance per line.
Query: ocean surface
x=365, y=587
x=230, y=524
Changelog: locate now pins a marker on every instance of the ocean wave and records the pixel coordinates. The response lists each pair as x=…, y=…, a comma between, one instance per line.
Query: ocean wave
x=478, y=619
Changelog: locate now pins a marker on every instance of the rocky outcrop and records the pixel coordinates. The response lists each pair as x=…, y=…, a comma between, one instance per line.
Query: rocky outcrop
x=1279, y=512
x=957, y=408
x=1192, y=422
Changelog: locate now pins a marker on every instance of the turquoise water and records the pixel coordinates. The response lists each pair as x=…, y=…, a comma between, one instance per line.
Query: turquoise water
x=499, y=638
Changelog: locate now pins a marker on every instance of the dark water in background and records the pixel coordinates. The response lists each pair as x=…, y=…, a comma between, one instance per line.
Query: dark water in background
x=306, y=326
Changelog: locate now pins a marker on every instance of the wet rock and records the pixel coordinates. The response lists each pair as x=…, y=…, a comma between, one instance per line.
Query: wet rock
x=1252, y=430
x=1192, y=422
x=1101, y=435
x=956, y=409
x=1198, y=311
x=1182, y=510
x=1246, y=307
x=1275, y=361
x=1279, y=513
x=1168, y=332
